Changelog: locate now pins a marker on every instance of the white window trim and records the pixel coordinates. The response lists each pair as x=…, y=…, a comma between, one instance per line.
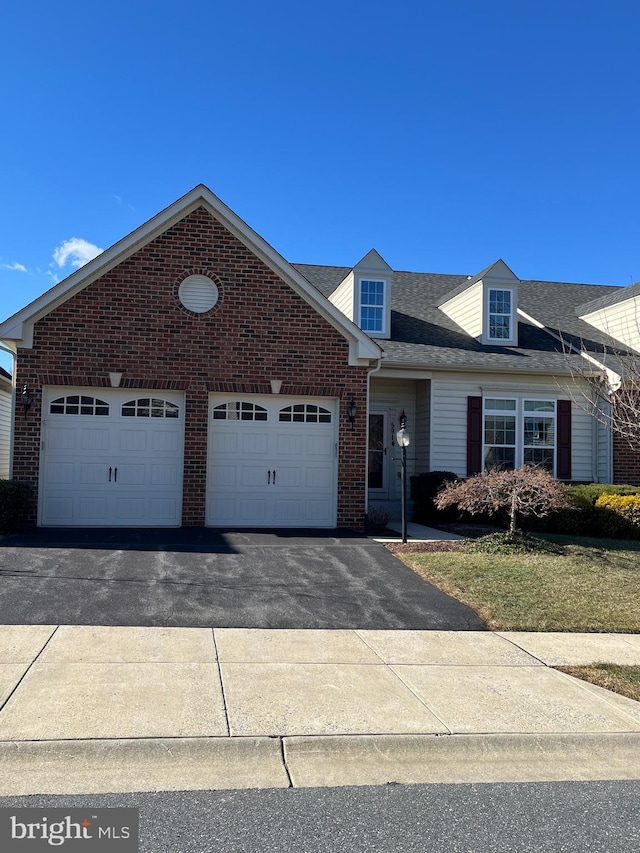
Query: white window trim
x=511, y=315
x=520, y=415
x=384, y=331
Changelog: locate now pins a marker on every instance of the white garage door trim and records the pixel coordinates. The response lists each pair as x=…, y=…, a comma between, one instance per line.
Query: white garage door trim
x=111, y=457
x=272, y=461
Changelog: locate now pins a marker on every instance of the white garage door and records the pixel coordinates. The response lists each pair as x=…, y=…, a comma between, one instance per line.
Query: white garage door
x=111, y=458
x=272, y=462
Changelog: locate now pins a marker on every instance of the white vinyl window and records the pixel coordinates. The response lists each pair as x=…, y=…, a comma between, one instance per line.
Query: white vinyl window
x=500, y=315
x=519, y=432
x=372, y=307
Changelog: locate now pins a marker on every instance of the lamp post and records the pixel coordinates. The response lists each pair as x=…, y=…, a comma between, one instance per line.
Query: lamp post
x=404, y=440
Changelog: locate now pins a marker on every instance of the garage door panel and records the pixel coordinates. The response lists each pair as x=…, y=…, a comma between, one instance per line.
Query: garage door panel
x=80, y=448
x=164, y=475
x=92, y=509
x=59, y=473
x=165, y=442
x=59, y=509
x=93, y=473
x=292, y=482
x=95, y=439
x=136, y=440
x=59, y=438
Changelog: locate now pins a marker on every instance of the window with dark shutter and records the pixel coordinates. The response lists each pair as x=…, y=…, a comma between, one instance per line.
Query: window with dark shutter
x=474, y=435
x=563, y=471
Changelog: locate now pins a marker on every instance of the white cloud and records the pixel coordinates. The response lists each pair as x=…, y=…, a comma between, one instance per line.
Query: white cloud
x=16, y=267
x=75, y=252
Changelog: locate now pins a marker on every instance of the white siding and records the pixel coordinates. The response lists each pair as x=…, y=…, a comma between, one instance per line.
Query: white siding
x=343, y=297
x=449, y=417
x=422, y=429
x=5, y=432
x=621, y=321
x=393, y=396
x=465, y=309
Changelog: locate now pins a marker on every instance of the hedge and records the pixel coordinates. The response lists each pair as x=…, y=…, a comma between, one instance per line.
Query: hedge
x=15, y=502
x=621, y=514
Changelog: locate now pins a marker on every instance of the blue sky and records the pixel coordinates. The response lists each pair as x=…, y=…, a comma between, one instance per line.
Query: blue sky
x=445, y=135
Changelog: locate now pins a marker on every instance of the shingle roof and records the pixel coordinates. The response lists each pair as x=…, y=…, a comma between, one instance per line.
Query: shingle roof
x=620, y=294
x=422, y=335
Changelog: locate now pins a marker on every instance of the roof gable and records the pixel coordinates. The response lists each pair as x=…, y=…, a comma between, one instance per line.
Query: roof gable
x=19, y=327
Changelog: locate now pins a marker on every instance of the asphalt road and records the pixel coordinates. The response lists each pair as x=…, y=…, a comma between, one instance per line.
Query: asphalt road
x=570, y=817
x=206, y=578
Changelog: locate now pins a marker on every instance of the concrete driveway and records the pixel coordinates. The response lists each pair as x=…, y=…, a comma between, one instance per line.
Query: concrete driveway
x=209, y=578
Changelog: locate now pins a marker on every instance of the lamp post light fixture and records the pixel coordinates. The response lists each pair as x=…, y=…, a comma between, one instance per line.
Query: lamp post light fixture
x=404, y=440
x=27, y=400
x=351, y=413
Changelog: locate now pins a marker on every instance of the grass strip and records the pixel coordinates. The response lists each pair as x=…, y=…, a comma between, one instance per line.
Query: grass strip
x=624, y=680
x=591, y=587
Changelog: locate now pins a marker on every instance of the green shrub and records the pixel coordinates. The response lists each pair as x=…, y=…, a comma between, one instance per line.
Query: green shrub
x=424, y=489
x=587, y=515
x=590, y=492
x=513, y=543
x=15, y=503
x=620, y=515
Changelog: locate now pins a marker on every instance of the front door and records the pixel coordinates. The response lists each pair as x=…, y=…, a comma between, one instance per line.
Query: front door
x=378, y=457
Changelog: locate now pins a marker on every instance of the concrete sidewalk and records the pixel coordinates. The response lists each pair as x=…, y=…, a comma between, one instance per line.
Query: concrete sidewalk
x=92, y=709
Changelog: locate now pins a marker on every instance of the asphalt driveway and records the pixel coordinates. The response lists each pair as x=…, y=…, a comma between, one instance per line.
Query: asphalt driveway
x=209, y=578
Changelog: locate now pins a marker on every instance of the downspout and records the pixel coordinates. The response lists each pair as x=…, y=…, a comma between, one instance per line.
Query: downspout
x=14, y=355
x=369, y=375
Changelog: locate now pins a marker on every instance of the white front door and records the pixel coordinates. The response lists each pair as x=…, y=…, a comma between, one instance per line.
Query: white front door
x=111, y=458
x=272, y=461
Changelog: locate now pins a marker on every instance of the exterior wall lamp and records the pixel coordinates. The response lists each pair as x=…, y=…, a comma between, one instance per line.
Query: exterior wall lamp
x=351, y=413
x=27, y=400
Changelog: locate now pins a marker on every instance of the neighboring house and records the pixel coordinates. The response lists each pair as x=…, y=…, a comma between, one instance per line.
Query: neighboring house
x=6, y=396
x=190, y=375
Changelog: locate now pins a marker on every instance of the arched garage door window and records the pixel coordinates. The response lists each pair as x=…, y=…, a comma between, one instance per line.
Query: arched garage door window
x=305, y=413
x=150, y=407
x=78, y=404
x=239, y=410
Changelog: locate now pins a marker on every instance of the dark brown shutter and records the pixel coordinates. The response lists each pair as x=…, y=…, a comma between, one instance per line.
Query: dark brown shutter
x=474, y=435
x=563, y=467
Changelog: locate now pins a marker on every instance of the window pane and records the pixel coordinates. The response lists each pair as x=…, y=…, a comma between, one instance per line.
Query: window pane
x=500, y=405
x=539, y=406
x=539, y=456
x=539, y=431
x=500, y=429
x=499, y=327
x=500, y=301
x=502, y=458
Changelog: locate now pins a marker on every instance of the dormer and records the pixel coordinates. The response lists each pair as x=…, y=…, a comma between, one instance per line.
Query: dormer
x=486, y=306
x=365, y=295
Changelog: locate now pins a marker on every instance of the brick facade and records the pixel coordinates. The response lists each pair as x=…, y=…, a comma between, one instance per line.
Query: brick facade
x=626, y=462
x=129, y=320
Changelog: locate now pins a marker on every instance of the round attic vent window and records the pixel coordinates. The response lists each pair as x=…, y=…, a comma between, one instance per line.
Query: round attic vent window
x=198, y=293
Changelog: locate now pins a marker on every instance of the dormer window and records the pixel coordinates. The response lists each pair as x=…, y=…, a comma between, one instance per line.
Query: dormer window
x=372, y=305
x=500, y=315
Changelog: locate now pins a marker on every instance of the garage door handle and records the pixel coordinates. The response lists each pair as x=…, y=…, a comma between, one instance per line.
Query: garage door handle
x=268, y=478
x=274, y=476
x=115, y=475
x=109, y=473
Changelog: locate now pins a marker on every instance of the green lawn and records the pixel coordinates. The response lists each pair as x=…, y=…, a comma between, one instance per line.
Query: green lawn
x=621, y=679
x=594, y=586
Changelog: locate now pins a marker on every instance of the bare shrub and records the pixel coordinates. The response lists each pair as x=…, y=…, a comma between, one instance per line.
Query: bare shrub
x=526, y=491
